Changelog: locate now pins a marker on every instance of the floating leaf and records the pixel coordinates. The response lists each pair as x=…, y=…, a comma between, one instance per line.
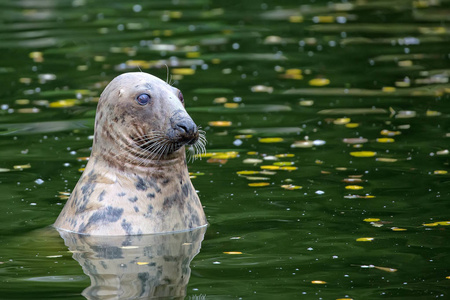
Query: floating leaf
x=288, y=168
x=355, y=140
x=354, y=187
x=142, y=263
x=341, y=121
x=64, y=103
x=371, y=220
x=262, y=89
x=283, y=163
x=21, y=167
x=359, y=197
x=319, y=82
x=306, y=102
x=442, y=152
x=302, y=144
x=231, y=105
x=220, y=123
x=183, y=71
x=385, y=140
x=405, y=114
x=217, y=161
x=323, y=19
x=385, y=159
x=285, y=155
x=296, y=19
x=270, y=167
x=220, y=100
x=390, y=133
x=258, y=184
x=247, y=172
x=291, y=187
x=398, y=229
x=388, y=89
x=363, y=154
x=365, y=239
x=352, y=125
x=440, y=172
x=432, y=113
x=233, y=252
x=318, y=282
x=271, y=140
x=252, y=161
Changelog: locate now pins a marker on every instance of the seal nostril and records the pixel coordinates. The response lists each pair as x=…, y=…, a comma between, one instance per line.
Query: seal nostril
x=187, y=128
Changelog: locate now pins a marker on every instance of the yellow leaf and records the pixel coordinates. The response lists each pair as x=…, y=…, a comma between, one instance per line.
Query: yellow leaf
x=258, y=184
x=385, y=140
x=271, y=140
x=444, y=223
x=296, y=19
x=291, y=187
x=318, y=282
x=363, y=154
x=319, y=82
x=231, y=105
x=142, y=263
x=270, y=167
x=432, y=113
x=64, y=103
x=293, y=72
x=285, y=155
x=247, y=172
x=193, y=54
x=365, y=239
x=183, y=71
x=283, y=163
x=430, y=224
x=392, y=270
x=324, y=19
x=398, y=229
x=440, y=172
x=341, y=121
x=388, y=89
x=371, y=220
x=288, y=168
x=352, y=125
x=233, y=252
x=354, y=187
x=20, y=167
x=220, y=123
x=386, y=132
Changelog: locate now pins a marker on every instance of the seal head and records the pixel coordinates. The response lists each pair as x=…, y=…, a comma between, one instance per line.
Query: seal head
x=136, y=180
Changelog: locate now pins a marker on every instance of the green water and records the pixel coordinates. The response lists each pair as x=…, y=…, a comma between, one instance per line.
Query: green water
x=382, y=68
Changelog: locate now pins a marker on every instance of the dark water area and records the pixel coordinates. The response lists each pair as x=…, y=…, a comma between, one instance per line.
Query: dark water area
x=326, y=172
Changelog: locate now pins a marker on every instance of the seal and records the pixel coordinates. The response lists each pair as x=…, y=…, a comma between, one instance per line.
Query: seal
x=136, y=180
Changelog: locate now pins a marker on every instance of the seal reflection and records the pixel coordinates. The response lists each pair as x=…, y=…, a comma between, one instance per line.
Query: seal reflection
x=136, y=267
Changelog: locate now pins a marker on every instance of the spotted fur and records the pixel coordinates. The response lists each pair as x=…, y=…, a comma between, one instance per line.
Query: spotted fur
x=127, y=189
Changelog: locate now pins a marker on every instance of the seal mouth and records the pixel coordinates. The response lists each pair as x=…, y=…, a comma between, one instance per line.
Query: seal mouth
x=159, y=145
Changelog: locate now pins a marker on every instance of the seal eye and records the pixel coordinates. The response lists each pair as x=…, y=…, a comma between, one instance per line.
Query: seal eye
x=180, y=96
x=143, y=99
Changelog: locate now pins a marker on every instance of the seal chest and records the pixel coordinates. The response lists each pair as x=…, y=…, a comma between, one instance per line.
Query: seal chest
x=136, y=180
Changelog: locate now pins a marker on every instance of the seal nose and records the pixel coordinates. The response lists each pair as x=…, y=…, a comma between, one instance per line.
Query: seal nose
x=186, y=128
x=187, y=131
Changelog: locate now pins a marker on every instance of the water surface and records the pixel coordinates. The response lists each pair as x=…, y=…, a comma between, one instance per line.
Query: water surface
x=328, y=139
